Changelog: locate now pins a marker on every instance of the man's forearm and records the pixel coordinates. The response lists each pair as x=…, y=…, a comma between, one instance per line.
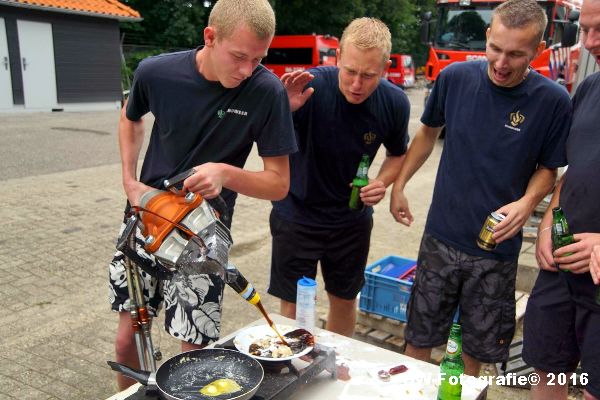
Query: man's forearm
x=540, y=184
x=131, y=139
x=547, y=218
x=389, y=169
x=272, y=183
x=266, y=185
x=418, y=152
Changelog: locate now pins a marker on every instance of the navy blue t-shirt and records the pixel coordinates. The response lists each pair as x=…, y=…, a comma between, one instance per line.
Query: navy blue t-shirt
x=198, y=121
x=332, y=135
x=580, y=193
x=495, y=139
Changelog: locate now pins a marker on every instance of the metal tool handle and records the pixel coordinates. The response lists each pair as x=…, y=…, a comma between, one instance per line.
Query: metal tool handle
x=137, y=307
x=173, y=184
x=127, y=232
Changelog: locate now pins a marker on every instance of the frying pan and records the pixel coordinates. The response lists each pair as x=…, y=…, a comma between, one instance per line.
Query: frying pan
x=181, y=377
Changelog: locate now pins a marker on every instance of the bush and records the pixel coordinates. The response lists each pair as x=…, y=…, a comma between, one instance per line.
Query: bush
x=132, y=56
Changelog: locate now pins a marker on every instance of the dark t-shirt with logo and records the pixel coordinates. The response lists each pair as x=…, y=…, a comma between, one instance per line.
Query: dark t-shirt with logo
x=332, y=135
x=198, y=121
x=495, y=139
x=580, y=193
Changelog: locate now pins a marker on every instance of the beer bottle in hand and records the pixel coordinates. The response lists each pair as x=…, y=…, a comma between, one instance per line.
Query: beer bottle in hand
x=361, y=180
x=560, y=230
x=452, y=367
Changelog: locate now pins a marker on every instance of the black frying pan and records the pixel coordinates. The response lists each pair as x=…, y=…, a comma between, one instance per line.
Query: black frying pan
x=182, y=376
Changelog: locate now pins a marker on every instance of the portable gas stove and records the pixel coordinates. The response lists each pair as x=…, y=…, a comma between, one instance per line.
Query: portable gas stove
x=281, y=380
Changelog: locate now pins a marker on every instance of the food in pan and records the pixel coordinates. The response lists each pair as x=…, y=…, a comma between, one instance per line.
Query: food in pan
x=270, y=346
x=221, y=386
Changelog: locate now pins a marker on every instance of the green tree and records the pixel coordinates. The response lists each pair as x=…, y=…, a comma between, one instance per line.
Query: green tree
x=177, y=24
x=331, y=16
x=166, y=23
x=298, y=17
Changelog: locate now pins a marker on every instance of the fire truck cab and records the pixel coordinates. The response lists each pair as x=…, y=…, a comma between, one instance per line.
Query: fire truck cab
x=458, y=34
x=289, y=53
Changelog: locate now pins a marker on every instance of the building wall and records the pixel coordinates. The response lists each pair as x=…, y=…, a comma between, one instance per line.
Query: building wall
x=14, y=56
x=86, y=55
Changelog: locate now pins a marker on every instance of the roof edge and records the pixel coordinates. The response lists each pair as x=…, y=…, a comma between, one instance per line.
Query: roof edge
x=70, y=11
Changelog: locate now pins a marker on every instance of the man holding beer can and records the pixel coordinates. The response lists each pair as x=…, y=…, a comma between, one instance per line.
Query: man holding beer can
x=506, y=127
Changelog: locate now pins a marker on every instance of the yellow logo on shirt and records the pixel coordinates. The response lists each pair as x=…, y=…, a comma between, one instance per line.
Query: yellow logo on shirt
x=516, y=118
x=369, y=137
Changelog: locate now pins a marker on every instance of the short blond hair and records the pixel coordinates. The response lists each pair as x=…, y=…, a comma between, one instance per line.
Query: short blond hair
x=520, y=14
x=368, y=33
x=257, y=15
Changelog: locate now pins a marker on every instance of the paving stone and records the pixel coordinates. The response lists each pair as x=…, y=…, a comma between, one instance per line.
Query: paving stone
x=438, y=353
x=29, y=393
x=521, y=306
x=379, y=336
x=362, y=330
x=396, y=342
x=374, y=321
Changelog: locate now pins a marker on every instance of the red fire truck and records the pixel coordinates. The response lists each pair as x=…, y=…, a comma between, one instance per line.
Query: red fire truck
x=289, y=53
x=459, y=35
x=402, y=70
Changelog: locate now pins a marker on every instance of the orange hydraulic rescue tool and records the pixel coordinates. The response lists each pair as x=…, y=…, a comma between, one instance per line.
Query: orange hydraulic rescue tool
x=179, y=230
x=161, y=213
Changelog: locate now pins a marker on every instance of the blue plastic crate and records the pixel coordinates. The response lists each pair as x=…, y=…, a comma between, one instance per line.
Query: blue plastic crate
x=384, y=293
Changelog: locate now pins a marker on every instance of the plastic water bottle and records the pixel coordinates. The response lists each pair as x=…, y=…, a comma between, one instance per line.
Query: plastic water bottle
x=306, y=301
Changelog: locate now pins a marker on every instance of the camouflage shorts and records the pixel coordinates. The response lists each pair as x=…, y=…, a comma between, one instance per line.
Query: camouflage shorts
x=483, y=288
x=192, y=302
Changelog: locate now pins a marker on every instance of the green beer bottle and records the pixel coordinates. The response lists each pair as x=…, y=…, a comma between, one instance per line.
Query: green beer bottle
x=560, y=230
x=361, y=180
x=452, y=367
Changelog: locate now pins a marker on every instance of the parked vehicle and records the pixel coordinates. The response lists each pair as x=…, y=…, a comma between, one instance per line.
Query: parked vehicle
x=289, y=53
x=402, y=70
x=460, y=36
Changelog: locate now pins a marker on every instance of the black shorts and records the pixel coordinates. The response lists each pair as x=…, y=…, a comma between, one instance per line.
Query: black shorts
x=483, y=288
x=562, y=326
x=297, y=248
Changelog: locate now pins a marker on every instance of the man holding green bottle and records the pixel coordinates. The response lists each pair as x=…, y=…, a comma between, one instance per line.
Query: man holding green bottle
x=562, y=320
x=345, y=112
